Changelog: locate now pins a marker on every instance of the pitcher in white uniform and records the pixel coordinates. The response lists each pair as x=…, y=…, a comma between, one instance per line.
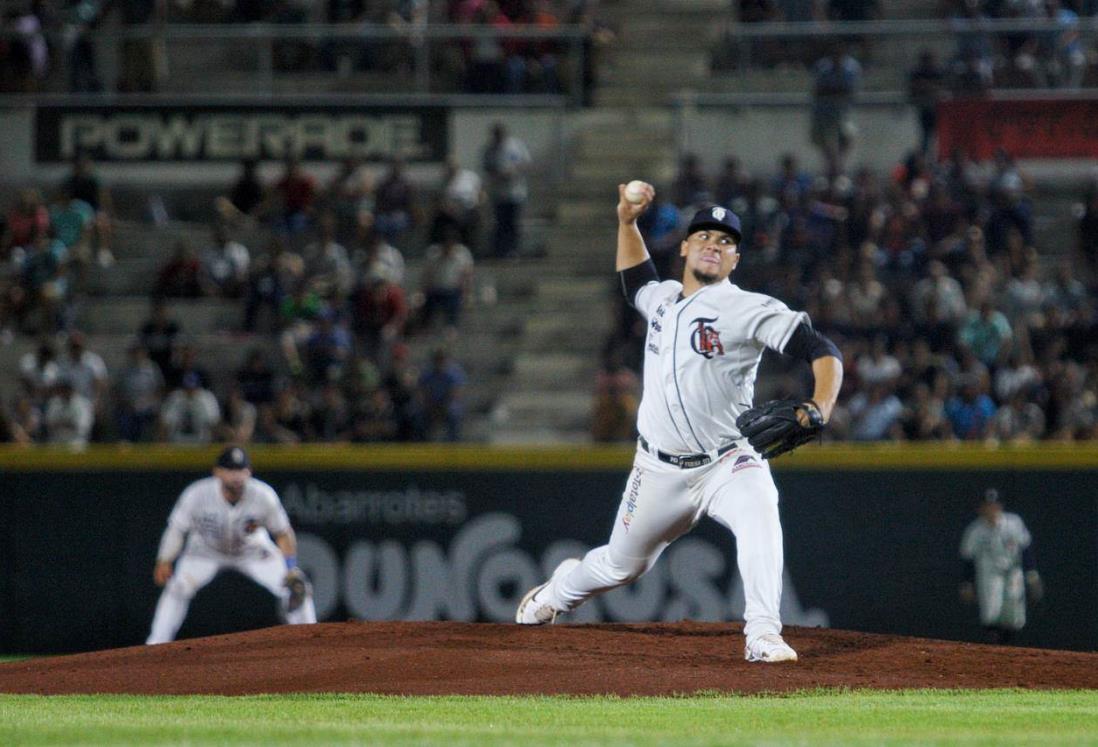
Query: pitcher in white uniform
x=230, y=520
x=705, y=340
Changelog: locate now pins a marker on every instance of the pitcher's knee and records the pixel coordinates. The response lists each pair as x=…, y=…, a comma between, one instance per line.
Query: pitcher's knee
x=626, y=571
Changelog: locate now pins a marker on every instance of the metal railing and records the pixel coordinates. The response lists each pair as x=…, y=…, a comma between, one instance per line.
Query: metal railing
x=1013, y=53
x=260, y=58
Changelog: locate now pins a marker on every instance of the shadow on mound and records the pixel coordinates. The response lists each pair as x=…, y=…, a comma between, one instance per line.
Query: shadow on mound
x=440, y=658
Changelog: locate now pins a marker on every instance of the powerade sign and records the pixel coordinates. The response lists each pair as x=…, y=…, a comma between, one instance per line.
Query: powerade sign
x=140, y=134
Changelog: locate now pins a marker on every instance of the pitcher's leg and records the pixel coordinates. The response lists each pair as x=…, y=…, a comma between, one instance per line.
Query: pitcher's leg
x=657, y=507
x=746, y=501
x=191, y=574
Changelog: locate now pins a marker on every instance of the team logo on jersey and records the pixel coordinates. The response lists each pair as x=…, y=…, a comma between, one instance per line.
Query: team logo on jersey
x=705, y=339
x=744, y=461
x=250, y=525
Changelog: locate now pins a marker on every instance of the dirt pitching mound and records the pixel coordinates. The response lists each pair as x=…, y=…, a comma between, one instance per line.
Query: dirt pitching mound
x=471, y=658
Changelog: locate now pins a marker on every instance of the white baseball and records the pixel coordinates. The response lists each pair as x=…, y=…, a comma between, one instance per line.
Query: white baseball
x=634, y=191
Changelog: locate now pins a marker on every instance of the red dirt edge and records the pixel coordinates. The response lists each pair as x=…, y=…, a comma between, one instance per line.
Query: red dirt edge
x=446, y=658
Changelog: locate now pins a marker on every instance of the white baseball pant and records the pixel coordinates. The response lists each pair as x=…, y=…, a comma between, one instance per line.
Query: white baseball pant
x=193, y=571
x=662, y=502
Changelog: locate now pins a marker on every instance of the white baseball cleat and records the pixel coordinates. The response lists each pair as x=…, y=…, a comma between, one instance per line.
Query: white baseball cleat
x=535, y=611
x=769, y=648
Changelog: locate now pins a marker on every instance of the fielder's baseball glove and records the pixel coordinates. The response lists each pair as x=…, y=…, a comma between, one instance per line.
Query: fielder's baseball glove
x=298, y=585
x=774, y=428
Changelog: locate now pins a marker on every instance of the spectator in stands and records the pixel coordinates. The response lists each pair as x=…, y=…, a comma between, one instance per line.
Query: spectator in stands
x=1066, y=55
x=447, y=279
x=878, y=366
x=272, y=275
x=1018, y=420
x=374, y=418
x=875, y=413
x=85, y=370
x=350, y=195
x=791, y=182
x=331, y=415
x=617, y=391
x=394, y=203
x=81, y=20
x=327, y=263
x=691, y=186
x=256, y=380
x=926, y=87
x=138, y=393
x=180, y=277
x=597, y=35
x=460, y=201
x=327, y=348
x=442, y=387
x=25, y=221
x=245, y=198
x=239, y=421
x=535, y=68
x=380, y=260
x=158, y=335
x=42, y=287
x=39, y=371
x=25, y=53
x=185, y=361
x=838, y=78
x=971, y=410
x=142, y=56
x=944, y=290
x=224, y=265
x=923, y=418
x=379, y=313
x=72, y=221
x=401, y=382
x=987, y=333
x=487, y=57
x=82, y=184
x=295, y=195
x=506, y=161
x=733, y=183
x=190, y=413
x=288, y=421
x=69, y=415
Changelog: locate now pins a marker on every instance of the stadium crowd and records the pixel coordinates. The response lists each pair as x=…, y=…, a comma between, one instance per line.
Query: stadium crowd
x=52, y=46
x=333, y=316
x=952, y=323
x=1058, y=57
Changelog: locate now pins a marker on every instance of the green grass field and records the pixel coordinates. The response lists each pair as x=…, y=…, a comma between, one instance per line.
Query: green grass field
x=820, y=717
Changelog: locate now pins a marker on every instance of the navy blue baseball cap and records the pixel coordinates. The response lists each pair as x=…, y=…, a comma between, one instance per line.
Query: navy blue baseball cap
x=716, y=217
x=234, y=457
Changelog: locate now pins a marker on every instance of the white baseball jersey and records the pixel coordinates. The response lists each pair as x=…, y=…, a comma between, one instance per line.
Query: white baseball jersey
x=217, y=526
x=701, y=357
x=996, y=550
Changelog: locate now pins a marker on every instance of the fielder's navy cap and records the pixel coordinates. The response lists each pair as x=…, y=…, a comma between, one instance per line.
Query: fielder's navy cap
x=716, y=217
x=234, y=457
x=991, y=495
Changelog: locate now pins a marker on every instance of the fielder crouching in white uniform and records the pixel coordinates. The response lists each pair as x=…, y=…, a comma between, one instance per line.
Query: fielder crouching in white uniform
x=227, y=521
x=705, y=340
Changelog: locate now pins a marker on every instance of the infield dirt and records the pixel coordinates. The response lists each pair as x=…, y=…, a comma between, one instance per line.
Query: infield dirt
x=443, y=658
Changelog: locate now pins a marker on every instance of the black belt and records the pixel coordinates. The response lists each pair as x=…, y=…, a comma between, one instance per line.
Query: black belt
x=686, y=461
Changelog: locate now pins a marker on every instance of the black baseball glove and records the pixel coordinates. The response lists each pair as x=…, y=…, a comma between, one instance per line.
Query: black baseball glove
x=298, y=585
x=773, y=428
